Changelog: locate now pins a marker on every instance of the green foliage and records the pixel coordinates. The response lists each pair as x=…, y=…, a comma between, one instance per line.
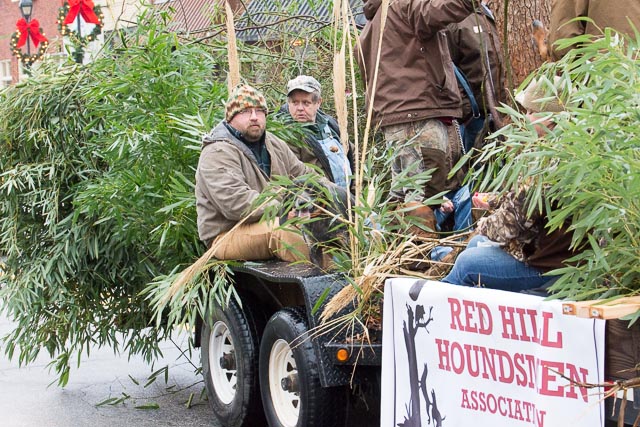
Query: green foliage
x=585, y=170
x=180, y=305
x=97, y=166
x=96, y=176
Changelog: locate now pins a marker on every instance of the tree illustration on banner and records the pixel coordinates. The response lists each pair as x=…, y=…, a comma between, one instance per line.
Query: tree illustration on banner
x=86, y=18
x=418, y=319
x=24, y=31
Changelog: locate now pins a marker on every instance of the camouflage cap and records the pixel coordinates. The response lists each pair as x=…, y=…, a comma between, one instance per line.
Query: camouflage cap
x=305, y=83
x=241, y=98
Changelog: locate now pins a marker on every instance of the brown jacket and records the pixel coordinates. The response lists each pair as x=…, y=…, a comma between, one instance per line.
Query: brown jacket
x=477, y=51
x=605, y=13
x=415, y=78
x=228, y=179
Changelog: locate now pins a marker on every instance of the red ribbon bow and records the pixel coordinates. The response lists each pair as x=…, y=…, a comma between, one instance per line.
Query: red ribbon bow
x=85, y=8
x=29, y=29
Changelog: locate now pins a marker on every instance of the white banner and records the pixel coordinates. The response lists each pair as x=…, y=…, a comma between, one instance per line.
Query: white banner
x=460, y=356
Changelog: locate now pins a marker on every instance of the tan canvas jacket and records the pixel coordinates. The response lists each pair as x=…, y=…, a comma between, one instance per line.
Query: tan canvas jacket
x=228, y=179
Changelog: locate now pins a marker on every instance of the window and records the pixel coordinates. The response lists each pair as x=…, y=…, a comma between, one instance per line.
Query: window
x=5, y=73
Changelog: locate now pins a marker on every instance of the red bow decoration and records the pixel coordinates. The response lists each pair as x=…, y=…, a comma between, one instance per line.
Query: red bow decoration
x=31, y=29
x=85, y=8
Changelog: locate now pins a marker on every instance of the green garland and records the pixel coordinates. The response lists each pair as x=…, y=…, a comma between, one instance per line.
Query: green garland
x=26, y=59
x=73, y=35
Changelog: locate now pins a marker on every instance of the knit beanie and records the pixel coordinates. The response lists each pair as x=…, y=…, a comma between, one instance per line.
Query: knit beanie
x=241, y=98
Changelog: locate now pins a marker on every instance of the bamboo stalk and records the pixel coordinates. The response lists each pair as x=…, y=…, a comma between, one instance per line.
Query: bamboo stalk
x=232, y=50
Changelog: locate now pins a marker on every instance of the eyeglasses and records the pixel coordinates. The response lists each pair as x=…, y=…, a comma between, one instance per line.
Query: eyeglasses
x=251, y=111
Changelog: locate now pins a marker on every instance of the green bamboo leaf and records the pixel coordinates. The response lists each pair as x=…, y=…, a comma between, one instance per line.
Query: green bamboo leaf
x=133, y=380
x=148, y=406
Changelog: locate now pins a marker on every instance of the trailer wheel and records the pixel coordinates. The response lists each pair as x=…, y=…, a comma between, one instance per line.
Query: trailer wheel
x=230, y=365
x=292, y=395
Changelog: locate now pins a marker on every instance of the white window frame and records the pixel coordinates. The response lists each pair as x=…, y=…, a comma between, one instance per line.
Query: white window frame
x=5, y=73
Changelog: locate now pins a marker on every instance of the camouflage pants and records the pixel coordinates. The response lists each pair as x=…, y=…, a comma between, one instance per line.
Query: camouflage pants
x=408, y=141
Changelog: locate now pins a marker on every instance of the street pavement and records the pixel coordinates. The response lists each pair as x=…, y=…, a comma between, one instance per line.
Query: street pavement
x=27, y=398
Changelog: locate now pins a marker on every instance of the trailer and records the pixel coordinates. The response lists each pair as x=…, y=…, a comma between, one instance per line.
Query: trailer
x=266, y=362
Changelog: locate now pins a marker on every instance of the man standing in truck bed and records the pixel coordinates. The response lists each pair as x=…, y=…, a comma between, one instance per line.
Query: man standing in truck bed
x=416, y=98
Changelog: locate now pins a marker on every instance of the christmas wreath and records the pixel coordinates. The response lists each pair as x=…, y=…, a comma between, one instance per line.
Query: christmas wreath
x=90, y=13
x=24, y=30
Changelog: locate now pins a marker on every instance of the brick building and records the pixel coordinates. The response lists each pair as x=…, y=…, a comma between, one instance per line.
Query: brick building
x=45, y=11
x=195, y=17
x=192, y=17
x=117, y=13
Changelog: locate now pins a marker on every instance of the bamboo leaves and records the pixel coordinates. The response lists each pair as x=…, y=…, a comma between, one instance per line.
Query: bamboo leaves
x=584, y=172
x=97, y=199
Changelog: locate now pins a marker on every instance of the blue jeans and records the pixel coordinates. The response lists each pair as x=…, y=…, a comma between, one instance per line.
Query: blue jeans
x=461, y=199
x=492, y=267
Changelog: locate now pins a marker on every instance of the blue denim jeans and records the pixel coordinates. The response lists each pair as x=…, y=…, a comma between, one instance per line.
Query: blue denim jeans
x=483, y=263
x=461, y=199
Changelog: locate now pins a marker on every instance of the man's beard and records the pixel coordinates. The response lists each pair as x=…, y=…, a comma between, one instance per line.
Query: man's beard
x=253, y=133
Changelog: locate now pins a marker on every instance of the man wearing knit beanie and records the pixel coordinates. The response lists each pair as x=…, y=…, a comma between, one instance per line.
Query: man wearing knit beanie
x=238, y=159
x=243, y=97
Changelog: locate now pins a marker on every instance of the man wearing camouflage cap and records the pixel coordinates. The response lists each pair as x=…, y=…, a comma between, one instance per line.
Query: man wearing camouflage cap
x=321, y=146
x=238, y=159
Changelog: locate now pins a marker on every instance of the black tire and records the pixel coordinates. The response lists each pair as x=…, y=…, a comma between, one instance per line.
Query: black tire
x=232, y=385
x=287, y=349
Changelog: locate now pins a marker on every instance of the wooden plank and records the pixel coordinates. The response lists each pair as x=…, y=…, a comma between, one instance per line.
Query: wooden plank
x=577, y=308
x=613, y=311
x=600, y=309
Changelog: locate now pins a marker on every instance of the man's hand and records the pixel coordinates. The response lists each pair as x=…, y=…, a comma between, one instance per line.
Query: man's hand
x=447, y=206
x=480, y=201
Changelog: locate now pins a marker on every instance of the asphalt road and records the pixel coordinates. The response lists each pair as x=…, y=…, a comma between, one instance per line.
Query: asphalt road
x=27, y=399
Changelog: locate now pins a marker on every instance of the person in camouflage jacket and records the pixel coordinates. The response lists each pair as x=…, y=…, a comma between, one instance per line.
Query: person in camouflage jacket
x=514, y=249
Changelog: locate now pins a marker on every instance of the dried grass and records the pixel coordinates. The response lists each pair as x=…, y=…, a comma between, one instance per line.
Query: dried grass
x=377, y=268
